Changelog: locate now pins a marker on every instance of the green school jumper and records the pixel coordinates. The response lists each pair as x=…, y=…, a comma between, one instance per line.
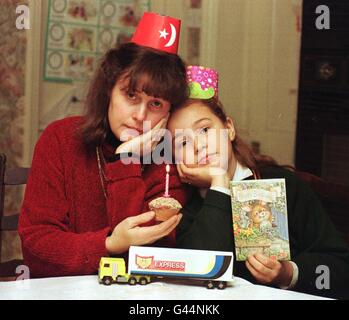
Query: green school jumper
x=314, y=241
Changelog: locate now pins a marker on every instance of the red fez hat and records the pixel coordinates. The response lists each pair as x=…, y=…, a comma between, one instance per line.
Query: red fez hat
x=158, y=32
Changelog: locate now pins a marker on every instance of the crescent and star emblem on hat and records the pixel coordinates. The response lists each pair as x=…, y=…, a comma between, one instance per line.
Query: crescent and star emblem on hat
x=158, y=32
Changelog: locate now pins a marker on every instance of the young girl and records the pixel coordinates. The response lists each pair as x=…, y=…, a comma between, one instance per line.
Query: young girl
x=207, y=218
x=82, y=201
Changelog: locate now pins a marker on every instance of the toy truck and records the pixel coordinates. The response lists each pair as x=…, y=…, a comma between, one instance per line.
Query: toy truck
x=214, y=268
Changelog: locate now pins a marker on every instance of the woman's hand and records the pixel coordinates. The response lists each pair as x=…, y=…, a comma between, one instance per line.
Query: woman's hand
x=269, y=271
x=203, y=176
x=145, y=143
x=129, y=232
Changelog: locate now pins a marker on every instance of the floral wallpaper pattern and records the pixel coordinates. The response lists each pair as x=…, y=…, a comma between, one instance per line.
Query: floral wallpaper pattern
x=12, y=86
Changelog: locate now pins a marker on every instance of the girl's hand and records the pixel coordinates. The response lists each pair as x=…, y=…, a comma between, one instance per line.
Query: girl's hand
x=129, y=232
x=145, y=143
x=270, y=271
x=203, y=176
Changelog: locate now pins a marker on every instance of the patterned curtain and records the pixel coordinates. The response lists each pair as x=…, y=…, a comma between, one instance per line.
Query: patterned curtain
x=12, y=86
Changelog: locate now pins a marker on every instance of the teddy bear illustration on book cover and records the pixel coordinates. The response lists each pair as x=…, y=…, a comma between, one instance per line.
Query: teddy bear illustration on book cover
x=259, y=211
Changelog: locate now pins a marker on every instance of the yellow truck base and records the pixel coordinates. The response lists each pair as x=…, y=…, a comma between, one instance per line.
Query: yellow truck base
x=113, y=270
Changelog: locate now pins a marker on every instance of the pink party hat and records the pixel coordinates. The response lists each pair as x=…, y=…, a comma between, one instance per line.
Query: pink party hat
x=158, y=32
x=203, y=82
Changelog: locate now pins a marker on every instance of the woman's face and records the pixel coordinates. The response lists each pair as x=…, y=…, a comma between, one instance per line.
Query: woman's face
x=200, y=138
x=133, y=113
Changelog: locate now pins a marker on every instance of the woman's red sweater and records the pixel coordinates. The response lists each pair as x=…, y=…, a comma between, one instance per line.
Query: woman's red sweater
x=65, y=218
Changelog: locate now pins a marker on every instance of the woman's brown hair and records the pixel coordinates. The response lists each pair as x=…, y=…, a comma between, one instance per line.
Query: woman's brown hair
x=165, y=78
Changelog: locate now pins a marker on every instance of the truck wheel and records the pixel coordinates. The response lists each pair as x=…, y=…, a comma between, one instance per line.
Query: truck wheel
x=209, y=285
x=143, y=281
x=221, y=285
x=107, y=281
x=132, y=281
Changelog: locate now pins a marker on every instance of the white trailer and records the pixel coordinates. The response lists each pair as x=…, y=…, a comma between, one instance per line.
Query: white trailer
x=213, y=267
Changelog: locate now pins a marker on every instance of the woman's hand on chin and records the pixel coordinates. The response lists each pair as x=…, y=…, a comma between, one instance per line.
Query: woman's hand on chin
x=203, y=176
x=145, y=143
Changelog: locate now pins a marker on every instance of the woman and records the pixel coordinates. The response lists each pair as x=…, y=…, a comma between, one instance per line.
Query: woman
x=83, y=199
x=207, y=218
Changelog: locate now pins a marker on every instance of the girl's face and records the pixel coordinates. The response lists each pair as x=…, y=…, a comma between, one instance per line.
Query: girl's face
x=195, y=127
x=129, y=110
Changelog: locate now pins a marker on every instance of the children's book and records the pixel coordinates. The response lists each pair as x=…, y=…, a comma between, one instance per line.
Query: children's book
x=260, y=218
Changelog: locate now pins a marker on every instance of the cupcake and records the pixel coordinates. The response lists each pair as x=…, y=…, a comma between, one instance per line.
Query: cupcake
x=164, y=208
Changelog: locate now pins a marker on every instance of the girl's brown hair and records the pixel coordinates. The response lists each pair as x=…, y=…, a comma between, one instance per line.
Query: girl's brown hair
x=165, y=78
x=242, y=151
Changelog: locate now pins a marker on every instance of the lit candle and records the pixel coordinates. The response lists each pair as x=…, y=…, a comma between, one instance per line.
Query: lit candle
x=167, y=181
